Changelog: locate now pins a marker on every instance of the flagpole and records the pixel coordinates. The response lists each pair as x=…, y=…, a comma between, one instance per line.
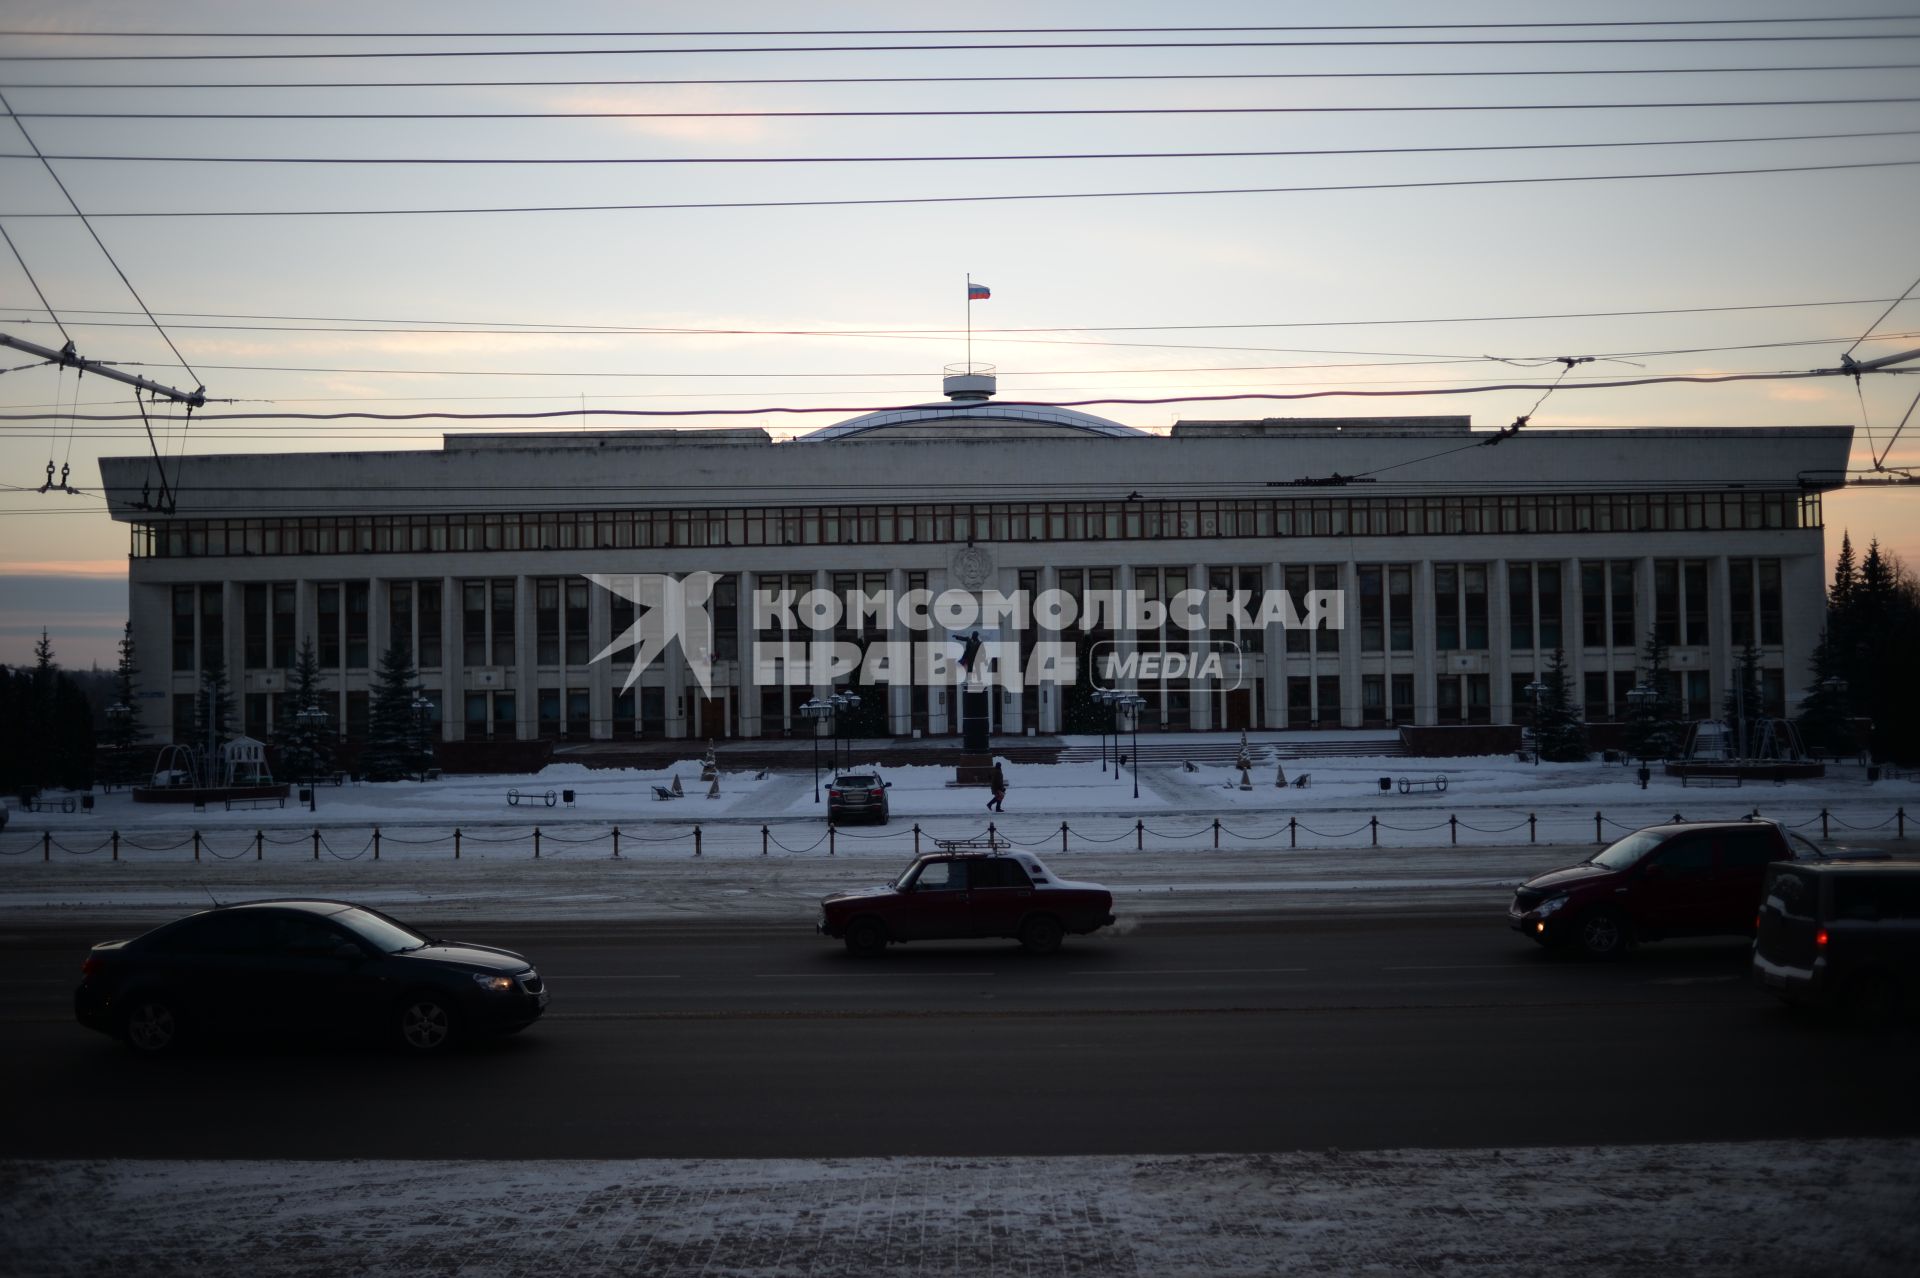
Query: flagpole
x=969, y=321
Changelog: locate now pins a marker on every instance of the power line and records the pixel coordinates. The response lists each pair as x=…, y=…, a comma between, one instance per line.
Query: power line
x=956, y=47
x=963, y=112
x=77, y=85
x=430, y=161
x=899, y=31
x=879, y=201
x=1908, y=292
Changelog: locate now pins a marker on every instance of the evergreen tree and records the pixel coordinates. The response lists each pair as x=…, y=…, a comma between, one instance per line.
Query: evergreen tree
x=1559, y=732
x=303, y=752
x=1846, y=578
x=1825, y=719
x=1742, y=708
x=124, y=729
x=212, y=709
x=1874, y=597
x=1653, y=728
x=392, y=738
x=40, y=714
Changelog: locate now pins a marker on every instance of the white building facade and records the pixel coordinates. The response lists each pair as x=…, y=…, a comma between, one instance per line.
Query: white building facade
x=1462, y=564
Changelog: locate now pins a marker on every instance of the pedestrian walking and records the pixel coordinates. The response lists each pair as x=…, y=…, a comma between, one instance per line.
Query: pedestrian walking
x=999, y=785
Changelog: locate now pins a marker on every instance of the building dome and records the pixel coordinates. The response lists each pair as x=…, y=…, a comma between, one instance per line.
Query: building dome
x=968, y=414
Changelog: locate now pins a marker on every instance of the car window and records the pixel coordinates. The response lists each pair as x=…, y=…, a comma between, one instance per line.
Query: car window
x=1011, y=875
x=943, y=876
x=305, y=935
x=1685, y=854
x=223, y=932
x=859, y=782
x=1034, y=868
x=1876, y=896
x=1747, y=848
x=1628, y=851
x=379, y=931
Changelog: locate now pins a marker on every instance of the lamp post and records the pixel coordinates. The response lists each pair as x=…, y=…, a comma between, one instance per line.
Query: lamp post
x=813, y=711
x=311, y=720
x=422, y=715
x=119, y=715
x=844, y=704
x=1534, y=690
x=1133, y=704
x=1103, y=697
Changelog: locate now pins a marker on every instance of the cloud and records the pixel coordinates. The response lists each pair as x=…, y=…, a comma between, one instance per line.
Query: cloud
x=111, y=568
x=692, y=98
x=1798, y=393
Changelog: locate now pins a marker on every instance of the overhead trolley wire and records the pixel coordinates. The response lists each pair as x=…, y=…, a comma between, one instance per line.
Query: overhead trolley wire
x=1294, y=153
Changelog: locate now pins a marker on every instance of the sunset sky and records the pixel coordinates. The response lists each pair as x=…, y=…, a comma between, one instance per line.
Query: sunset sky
x=859, y=304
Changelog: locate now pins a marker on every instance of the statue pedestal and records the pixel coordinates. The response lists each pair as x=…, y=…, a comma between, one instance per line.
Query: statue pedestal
x=974, y=769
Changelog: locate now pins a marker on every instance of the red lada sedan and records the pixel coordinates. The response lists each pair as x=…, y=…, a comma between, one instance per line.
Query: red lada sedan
x=950, y=896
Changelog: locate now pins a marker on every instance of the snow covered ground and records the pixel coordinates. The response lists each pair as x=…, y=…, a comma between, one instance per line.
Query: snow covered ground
x=1845, y=1208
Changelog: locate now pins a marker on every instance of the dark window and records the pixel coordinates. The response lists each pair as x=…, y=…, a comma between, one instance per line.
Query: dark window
x=225, y=932
x=1748, y=847
x=1620, y=587
x=1686, y=854
x=283, y=626
x=942, y=876
x=1446, y=607
x=212, y=630
x=1473, y=581
x=357, y=602
x=329, y=626
x=1520, y=606
x=183, y=612
x=502, y=649
x=400, y=616
x=1400, y=608
x=1372, y=610
x=1593, y=605
x=430, y=633
x=473, y=633
x=577, y=637
x=1876, y=896
x=1770, y=601
x=1546, y=583
x=547, y=621
x=253, y=613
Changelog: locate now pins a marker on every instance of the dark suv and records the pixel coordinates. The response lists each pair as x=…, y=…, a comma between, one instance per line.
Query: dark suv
x=1691, y=879
x=1843, y=934
x=857, y=796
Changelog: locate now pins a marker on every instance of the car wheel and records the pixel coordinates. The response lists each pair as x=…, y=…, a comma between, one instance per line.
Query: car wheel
x=1041, y=934
x=866, y=938
x=1603, y=934
x=426, y=1023
x=151, y=1026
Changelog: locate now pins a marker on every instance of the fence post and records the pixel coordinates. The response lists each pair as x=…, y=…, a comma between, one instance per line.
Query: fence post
x=376, y=843
x=116, y=845
x=259, y=845
x=764, y=836
x=1598, y=837
x=46, y=845
x=616, y=843
x=1216, y=834
x=316, y=843
x=916, y=838
x=1453, y=829
x=1374, y=822
x=1900, y=816
x=196, y=845
x=1532, y=827
x=456, y=843
x=696, y=840
x=536, y=843
x=832, y=836
x=1063, y=838
x=1823, y=825
x=1139, y=836
x=1293, y=832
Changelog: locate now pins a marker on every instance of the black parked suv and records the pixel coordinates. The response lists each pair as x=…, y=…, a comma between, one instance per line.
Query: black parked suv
x=857, y=796
x=302, y=969
x=1842, y=934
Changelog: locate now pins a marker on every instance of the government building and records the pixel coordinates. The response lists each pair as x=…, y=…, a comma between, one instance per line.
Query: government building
x=1464, y=558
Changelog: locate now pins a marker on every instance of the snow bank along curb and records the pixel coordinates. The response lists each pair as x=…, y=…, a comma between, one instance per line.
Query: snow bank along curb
x=1780, y=1207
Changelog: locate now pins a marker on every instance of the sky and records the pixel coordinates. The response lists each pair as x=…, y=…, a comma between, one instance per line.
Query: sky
x=297, y=288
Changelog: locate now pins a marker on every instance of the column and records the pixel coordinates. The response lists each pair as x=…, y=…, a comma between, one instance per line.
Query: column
x=1351, y=708
x=526, y=691
x=1499, y=643
x=746, y=692
x=1273, y=655
x=1722, y=657
x=1012, y=707
x=379, y=636
x=1053, y=696
x=899, y=693
x=600, y=674
x=453, y=672
x=1426, y=696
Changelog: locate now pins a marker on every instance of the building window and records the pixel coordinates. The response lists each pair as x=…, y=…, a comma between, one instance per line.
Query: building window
x=1620, y=591
x=577, y=637
x=1770, y=611
x=357, y=603
x=1373, y=617
x=400, y=617
x=212, y=632
x=1400, y=607
x=546, y=594
x=430, y=632
x=329, y=626
x=500, y=632
x=253, y=613
x=1473, y=594
x=1327, y=713
x=549, y=703
x=1520, y=607
x=1373, y=700
x=473, y=629
x=1446, y=610
x=1694, y=591
x=1401, y=687
x=283, y=625
x=184, y=608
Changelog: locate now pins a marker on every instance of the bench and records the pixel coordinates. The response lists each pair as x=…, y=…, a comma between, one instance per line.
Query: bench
x=661, y=794
x=263, y=802
x=514, y=797
x=1415, y=785
x=1709, y=783
x=1302, y=781
x=979, y=843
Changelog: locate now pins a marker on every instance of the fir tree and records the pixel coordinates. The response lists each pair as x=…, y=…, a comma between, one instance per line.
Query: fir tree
x=1825, y=717
x=1742, y=707
x=1846, y=578
x=1653, y=727
x=1559, y=733
x=305, y=752
x=124, y=729
x=213, y=707
x=392, y=737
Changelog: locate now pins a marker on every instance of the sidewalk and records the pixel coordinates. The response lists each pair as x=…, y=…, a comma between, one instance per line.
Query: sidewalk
x=1843, y=1208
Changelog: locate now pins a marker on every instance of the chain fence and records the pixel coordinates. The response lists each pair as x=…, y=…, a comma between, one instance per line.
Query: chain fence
x=1095, y=833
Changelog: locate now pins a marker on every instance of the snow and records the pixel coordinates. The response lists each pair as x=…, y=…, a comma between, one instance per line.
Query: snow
x=1772, y=1207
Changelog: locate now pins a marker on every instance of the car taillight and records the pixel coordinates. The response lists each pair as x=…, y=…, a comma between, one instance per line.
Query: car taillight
x=92, y=965
x=833, y=794
x=873, y=794
x=1820, y=939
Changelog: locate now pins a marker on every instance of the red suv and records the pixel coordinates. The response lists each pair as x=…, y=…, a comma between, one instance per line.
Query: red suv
x=1690, y=879
x=958, y=895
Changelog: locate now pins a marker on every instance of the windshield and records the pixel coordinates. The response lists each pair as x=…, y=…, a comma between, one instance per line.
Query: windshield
x=380, y=931
x=857, y=782
x=1628, y=851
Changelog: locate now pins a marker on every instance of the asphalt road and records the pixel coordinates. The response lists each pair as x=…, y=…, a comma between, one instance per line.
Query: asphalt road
x=1185, y=1035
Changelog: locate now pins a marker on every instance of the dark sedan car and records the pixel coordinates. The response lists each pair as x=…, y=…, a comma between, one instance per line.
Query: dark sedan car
x=302, y=969
x=963, y=895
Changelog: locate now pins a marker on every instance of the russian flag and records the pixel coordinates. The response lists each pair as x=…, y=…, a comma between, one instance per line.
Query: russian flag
x=978, y=292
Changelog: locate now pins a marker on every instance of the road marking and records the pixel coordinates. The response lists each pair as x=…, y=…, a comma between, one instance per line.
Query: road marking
x=839, y=976
x=618, y=976
x=1443, y=967
x=1692, y=980
x=1188, y=971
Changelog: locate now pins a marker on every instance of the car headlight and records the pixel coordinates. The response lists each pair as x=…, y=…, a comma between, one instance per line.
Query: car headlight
x=1549, y=905
x=493, y=984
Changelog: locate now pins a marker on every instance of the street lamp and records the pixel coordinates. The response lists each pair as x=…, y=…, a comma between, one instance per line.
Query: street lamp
x=1534, y=690
x=422, y=715
x=844, y=704
x=1105, y=697
x=119, y=716
x=1133, y=704
x=311, y=720
x=813, y=711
